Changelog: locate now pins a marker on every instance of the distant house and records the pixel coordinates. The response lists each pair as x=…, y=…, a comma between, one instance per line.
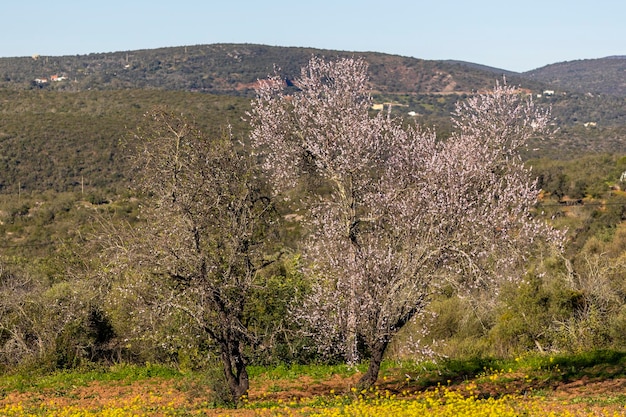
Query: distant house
x=590, y=124
x=377, y=106
x=57, y=78
x=548, y=92
x=41, y=80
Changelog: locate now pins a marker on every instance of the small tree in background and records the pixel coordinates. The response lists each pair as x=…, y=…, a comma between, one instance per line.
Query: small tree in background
x=207, y=228
x=400, y=213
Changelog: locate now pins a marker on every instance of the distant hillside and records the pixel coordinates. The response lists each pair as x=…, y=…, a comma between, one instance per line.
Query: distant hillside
x=64, y=133
x=231, y=69
x=234, y=69
x=67, y=141
x=601, y=76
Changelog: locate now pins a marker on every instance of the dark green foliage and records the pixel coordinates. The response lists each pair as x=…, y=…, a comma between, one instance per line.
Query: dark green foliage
x=268, y=311
x=85, y=340
x=527, y=312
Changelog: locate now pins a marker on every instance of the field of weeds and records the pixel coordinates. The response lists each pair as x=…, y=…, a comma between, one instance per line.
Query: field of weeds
x=591, y=384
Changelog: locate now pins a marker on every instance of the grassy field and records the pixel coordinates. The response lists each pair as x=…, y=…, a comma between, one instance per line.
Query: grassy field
x=589, y=384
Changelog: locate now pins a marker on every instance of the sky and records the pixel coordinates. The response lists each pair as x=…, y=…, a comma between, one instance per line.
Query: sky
x=515, y=35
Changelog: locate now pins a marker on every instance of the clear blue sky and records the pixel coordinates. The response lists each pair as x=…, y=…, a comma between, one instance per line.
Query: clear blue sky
x=514, y=35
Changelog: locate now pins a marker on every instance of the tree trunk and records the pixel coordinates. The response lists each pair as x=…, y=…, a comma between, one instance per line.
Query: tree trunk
x=235, y=370
x=370, y=377
x=352, y=353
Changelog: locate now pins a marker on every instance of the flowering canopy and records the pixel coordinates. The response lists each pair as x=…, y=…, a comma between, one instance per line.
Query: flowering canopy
x=406, y=211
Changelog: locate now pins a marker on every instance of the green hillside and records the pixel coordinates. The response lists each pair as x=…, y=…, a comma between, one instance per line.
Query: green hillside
x=65, y=141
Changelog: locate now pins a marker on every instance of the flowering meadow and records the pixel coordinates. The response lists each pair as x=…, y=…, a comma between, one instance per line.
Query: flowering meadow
x=526, y=387
x=439, y=402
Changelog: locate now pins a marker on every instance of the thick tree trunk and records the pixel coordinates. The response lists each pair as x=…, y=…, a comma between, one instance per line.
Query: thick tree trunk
x=235, y=370
x=370, y=377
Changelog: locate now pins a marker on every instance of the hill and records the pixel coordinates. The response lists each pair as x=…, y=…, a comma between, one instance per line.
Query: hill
x=232, y=69
x=64, y=133
x=423, y=87
x=596, y=76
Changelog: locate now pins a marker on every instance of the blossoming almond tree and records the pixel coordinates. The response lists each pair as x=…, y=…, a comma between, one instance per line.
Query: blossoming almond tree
x=401, y=212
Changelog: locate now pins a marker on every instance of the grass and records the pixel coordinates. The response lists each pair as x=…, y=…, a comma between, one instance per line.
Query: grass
x=66, y=379
x=578, y=384
x=295, y=371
